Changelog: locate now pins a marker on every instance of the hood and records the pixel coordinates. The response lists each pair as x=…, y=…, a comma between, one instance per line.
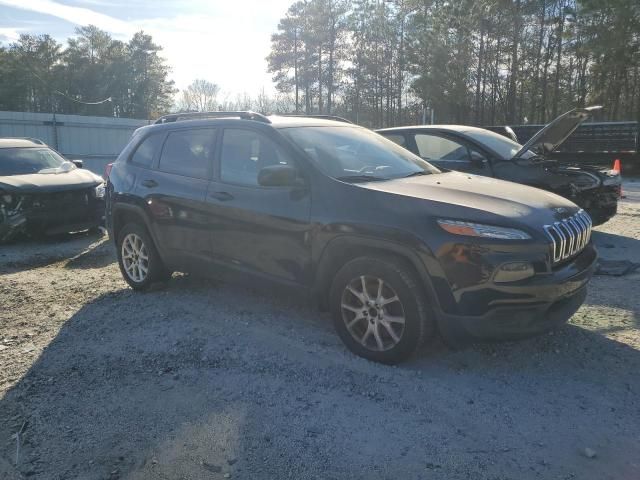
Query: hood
x=475, y=198
x=50, y=182
x=556, y=132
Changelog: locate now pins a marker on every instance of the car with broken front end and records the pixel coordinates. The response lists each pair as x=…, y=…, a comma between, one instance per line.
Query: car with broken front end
x=397, y=249
x=42, y=193
x=483, y=152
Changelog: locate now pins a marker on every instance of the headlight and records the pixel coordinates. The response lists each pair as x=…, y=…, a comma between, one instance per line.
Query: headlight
x=479, y=230
x=99, y=191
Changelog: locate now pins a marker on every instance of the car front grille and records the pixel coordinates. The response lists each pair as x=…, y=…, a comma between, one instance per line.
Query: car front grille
x=58, y=201
x=569, y=236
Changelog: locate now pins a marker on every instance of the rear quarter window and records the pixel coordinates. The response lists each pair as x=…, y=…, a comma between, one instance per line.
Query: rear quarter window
x=145, y=152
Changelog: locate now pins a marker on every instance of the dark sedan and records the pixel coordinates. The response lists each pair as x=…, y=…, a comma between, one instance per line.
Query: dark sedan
x=42, y=193
x=482, y=152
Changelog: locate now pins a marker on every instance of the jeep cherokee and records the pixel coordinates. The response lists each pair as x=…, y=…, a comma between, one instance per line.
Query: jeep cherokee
x=396, y=249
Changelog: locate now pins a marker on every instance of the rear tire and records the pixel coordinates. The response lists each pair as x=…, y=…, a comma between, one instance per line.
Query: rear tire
x=138, y=259
x=379, y=309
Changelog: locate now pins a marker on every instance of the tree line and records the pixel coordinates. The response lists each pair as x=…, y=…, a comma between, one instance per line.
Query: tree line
x=376, y=62
x=93, y=75
x=391, y=62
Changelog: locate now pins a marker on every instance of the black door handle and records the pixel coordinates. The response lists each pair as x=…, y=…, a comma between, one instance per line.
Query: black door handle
x=150, y=183
x=222, y=196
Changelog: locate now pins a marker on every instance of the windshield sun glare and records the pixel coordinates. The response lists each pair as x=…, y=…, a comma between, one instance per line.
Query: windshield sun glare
x=356, y=154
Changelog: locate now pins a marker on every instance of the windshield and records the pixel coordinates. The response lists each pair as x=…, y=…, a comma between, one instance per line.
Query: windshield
x=503, y=146
x=23, y=161
x=356, y=154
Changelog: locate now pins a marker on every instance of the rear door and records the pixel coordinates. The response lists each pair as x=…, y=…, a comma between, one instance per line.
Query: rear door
x=264, y=230
x=175, y=192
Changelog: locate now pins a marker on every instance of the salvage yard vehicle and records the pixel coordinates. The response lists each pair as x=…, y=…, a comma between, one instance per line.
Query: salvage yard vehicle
x=395, y=248
x=592, y=143
x=42, y=193
x=483, y=152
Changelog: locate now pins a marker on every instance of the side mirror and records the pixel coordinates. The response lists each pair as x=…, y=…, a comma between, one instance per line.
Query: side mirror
x=478, y=159
x=78, y=163
x=279, y=176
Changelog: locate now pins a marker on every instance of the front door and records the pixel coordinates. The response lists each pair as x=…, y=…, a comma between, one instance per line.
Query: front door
x=450, y=153
x=264, y=230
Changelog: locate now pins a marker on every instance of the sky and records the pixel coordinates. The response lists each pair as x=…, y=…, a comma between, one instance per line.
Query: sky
x=222, y=41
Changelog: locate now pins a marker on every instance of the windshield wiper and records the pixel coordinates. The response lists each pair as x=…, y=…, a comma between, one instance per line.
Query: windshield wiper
x=416, y=174
x=361, y=178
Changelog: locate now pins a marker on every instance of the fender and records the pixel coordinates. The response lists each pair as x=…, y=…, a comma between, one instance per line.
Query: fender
x=139, y=211
x=419, y=256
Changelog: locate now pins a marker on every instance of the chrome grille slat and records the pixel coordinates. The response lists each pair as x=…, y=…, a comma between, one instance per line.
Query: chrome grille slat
x=569, y=236
x=577, y=238
x=583, y=229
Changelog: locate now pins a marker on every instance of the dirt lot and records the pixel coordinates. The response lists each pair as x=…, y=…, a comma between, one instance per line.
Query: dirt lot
x=205, y=380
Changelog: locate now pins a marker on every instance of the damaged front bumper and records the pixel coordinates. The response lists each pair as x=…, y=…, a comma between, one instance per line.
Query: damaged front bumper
x=49, y=213
x=594, y=189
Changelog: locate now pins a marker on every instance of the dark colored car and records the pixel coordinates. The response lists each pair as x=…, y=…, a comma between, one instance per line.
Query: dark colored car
x=482, y=152
x=43, y=193
x=395, y=248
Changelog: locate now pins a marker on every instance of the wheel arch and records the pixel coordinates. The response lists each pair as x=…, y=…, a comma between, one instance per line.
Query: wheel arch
x=125, y=213
x=343, y=249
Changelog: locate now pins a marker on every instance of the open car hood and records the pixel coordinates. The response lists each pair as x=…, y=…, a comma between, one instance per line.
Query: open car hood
x=555, y=133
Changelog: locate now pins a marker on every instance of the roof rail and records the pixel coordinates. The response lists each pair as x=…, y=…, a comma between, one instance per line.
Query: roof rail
x=323, y=117
x=244, y=115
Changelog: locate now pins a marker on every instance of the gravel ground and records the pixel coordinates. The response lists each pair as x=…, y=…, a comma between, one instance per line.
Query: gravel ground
x=206, y=380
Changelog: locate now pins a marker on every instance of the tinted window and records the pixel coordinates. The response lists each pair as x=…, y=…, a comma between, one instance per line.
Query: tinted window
x=146, y=151
x=244, y=153
x=433, y=147
x=188, y=152
x=22, y=161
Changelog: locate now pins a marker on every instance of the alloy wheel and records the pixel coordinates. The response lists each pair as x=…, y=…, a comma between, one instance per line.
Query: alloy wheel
x=373, y=313
x=135, y=258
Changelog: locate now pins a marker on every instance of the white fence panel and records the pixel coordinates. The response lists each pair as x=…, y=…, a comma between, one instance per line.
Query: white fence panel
x=96, y=140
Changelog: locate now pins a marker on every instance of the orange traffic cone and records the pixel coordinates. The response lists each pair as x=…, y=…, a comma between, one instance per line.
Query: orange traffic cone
x=617, y=167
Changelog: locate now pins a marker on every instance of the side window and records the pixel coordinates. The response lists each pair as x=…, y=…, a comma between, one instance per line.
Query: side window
x=396, y=138
x=433, y=147
x=188, y=152
x=245, y=153
x=146, y=151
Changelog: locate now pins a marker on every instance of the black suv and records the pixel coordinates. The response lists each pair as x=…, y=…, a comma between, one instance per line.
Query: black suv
x=396, y=249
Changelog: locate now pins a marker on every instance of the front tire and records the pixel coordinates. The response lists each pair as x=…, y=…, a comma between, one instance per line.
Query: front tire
x=138, y=259
x=379, y=309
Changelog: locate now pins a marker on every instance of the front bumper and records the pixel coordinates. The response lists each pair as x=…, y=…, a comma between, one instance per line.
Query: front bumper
x=601, y=204
x=71, y=219
x=536, y=306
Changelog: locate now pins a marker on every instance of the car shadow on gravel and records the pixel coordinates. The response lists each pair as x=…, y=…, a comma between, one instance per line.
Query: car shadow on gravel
x=201, y=379
x=96, y=255
x=30, y=254
x=610, y=243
